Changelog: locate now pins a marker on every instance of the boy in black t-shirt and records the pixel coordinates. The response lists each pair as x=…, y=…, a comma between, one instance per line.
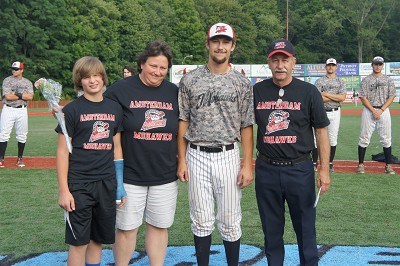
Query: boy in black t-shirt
x=88, y=177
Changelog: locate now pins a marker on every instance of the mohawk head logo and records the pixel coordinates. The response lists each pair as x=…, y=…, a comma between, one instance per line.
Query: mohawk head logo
x=100, y=131
x=220, y=29
x=279, y=45
x=277, y=120
x=153, y=119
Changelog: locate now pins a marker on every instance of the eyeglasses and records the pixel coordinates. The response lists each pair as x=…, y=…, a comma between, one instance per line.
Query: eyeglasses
x=15, y=69
x=280, y=93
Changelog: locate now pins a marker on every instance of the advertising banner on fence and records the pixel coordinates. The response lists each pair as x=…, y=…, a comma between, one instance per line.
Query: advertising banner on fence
x=244, y=69
x=299, y=70
x=260, y=71
x=177, y=72
x=347, y=69
x=393, y=68
x=311, y=80
x=352, y=82
x=315, y=70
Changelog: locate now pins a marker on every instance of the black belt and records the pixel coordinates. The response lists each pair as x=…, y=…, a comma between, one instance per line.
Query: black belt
x=332, y=109
x=213, y=149
x=377, y=107
x=20, y=106
x=284, y=162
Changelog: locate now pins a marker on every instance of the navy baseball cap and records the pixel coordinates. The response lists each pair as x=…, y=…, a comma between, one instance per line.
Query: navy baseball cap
x=281, y=46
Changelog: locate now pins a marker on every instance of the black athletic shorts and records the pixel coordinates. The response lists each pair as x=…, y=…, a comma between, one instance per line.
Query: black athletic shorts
x=95, y=212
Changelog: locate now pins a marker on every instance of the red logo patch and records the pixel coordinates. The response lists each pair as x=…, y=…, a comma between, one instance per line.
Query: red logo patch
x=277, y=120
x=220, y=29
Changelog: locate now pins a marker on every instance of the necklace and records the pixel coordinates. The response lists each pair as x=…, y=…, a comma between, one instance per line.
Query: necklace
x=280, y=93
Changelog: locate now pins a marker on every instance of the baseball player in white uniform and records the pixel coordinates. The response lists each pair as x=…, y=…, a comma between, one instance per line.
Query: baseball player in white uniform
x=377, y=94
x=333, y=91
x=17, y=90
x=216, y=113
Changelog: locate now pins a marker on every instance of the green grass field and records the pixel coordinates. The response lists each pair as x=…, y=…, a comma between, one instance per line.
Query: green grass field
x=358, y=209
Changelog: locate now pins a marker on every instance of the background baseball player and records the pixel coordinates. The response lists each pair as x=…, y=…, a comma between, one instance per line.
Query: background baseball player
x=333, y=91
x=377, y=94
x=215, y=104
x=17, y=90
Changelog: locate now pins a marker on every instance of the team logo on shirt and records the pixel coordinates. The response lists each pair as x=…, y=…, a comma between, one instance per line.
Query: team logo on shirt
x=100, y=131
x=277, y=120
x=153, y=119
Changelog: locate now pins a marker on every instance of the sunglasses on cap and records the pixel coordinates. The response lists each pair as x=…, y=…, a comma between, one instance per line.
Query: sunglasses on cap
x=378, y=64
x=15, y=68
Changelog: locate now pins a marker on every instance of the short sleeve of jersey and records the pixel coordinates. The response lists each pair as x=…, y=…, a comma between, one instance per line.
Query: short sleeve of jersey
x=392, y=87
x=68, y=118
x=319, y=118
x=183, y=101
x=364, y=87
x=342, y=89
x=318, y=84
x=247, y=106
x=6, y=88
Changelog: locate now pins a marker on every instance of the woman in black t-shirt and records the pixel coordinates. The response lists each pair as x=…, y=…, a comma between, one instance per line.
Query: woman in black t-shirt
x=150, y=126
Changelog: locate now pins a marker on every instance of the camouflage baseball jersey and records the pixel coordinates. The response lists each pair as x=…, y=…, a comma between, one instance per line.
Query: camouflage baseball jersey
x=377, y=89
x=217, y=106
x=12, y=85
x=331, y=85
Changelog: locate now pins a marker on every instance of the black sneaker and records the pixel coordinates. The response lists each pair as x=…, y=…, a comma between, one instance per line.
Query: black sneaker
x=331, y=170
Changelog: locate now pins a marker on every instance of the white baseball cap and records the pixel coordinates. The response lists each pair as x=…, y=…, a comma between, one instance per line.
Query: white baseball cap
x=18, y=64
x=378, y=60
x=221, y=29
x=331, y=61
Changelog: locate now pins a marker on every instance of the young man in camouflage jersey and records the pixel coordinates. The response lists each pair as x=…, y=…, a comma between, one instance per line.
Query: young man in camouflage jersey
x=333, y=91
x=216, y=113
x=377, y=94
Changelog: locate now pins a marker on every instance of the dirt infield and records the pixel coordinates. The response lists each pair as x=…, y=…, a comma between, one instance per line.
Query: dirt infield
x=341, y=166
x=39, y=114
x=31, y=162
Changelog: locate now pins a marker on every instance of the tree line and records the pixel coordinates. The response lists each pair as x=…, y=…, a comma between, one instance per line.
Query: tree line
x=50, y=35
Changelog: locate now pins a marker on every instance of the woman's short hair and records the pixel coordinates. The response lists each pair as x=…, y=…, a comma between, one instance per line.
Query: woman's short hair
x=155, y=48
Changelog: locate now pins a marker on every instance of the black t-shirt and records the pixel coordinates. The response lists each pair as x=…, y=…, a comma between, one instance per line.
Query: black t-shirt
x=285, y=129
x=149, y=139
x=91, y=125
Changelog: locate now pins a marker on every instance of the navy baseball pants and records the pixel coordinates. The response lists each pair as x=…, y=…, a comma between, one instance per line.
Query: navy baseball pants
x=294, y=184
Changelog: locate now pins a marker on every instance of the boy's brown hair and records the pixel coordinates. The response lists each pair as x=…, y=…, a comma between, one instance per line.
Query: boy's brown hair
x=86, y=66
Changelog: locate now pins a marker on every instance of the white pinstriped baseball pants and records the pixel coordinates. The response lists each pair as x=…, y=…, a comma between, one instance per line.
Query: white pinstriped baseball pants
x=333, y=128
x=212, y=184
x=369, y=124
x=11, y=116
